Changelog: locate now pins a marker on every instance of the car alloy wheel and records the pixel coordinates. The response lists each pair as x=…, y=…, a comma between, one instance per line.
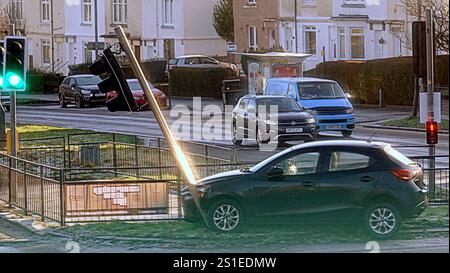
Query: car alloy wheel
x=226, y=217
x=382, y=221
x=78, y=102
x=62, y=101
x=235, y=140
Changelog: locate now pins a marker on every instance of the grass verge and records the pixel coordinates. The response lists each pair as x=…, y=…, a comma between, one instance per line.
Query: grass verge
x=180, y=234
x=413, y=123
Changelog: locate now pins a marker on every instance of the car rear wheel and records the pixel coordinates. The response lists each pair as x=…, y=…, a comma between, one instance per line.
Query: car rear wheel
x=226, y=216
x=62, y=101
x=236, y=141
x=78, y=102
x=382, y=221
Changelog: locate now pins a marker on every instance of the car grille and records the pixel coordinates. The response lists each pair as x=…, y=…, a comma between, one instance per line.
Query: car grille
x=290, y=123
x=333, y=121
x=331, y=111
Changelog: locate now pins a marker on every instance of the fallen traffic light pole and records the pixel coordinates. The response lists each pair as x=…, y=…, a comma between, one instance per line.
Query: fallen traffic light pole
x=180, y=157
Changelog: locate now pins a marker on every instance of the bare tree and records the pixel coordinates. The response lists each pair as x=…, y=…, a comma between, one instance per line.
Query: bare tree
x=11, y=14
x=440, y=9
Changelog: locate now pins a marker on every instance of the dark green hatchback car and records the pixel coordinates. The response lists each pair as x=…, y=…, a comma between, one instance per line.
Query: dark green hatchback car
x=328, y=179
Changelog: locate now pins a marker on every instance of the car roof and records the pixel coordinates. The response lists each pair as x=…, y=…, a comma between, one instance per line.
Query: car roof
x=343, y=144
x=193, y=56
x=82, y=76
x=301, y=79
x=266, y=97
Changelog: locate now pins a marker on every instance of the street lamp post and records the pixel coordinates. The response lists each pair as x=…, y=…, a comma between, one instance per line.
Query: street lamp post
x=96, y=28
x=295, y=25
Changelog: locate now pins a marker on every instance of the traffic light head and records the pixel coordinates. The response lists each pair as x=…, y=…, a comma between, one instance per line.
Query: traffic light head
x=115, y=83
x=432, y=133
x=14, y=75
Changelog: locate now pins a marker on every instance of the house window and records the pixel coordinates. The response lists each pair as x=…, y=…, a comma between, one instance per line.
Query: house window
x=252, y=37
x=168, y=12
x=87, y=11
x=309, y=2
x=120, y=11
x=341, y=32
x=16, y=9
x=46, y=52
x=252, y=2
x=354, y=2
x=357, y=40
x=310, y=40
x=45, y=11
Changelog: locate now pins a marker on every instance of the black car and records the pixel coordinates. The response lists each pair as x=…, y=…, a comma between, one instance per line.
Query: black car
x=81, y=90
x=371, y=182
x=291, y=122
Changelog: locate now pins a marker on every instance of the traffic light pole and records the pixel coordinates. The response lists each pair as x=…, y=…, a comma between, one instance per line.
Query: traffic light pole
x=177, y=152
x=13, y=123
x=430, y=89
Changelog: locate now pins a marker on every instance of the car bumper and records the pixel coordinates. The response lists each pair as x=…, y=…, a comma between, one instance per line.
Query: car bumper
x=95, y=99
x=335, y=122
x=190, y=211
x=305, y=133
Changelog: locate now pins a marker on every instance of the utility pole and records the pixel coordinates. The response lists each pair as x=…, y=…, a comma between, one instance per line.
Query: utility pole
x=296, y=26
x=52, y=34
x=96, y=27
x=430, y=89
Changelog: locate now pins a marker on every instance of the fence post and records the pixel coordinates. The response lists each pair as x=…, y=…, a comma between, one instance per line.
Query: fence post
x=64, y=153
x=25, y=190
x=70, y=152
x=432, y=168
x=159, y=159
x=10, y=183
x=136, y=155
x=62, y=197
x=114, y=155
x=42, y=193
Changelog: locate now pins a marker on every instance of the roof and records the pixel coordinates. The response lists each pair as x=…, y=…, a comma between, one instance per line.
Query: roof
x=192, y=56
x=343, y=143
x=267, y=97
x=82, y=75
x=301, y=79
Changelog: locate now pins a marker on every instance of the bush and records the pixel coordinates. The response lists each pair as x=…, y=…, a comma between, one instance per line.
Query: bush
x=195, y=82
x=39, y=82
x=364, y=79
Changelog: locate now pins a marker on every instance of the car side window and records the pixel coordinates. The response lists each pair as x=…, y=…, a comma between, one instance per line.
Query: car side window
x=347, y=161
x=66, y=81
x=251, y=106
x=292, y=91
x=302, y=164
x=276, y=88
x=208, y=61
x=243, y=104
x=192, y=61
x=73, y=81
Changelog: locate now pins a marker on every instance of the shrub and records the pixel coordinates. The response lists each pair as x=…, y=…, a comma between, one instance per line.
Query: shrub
x=198, y=82
x=364, y=79
x=40, y=82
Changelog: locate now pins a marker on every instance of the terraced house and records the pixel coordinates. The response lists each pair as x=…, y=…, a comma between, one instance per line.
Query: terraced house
x=60, y=31
x=341, y=29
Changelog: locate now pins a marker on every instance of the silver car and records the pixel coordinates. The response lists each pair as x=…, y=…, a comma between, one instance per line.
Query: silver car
x=198, y=61
x=5, y=100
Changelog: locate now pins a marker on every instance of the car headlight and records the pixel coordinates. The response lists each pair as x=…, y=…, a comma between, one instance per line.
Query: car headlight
x=311, y=120
x=85, y=92
x=350, y=111
x=313, y=112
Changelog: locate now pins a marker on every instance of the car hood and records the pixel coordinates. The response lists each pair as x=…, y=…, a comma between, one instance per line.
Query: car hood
x=90, y=87
x=290, y=116
x=222, y=177
x=311, y=104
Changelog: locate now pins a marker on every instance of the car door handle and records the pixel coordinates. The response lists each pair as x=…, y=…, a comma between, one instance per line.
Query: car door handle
x=309, y=184
x=366, y=179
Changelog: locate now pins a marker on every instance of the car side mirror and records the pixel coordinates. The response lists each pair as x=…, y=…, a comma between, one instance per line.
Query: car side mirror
x=275, y=173
x=348, y=95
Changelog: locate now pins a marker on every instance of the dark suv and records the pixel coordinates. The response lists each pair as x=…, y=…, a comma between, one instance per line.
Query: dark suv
x=81, y=90
x=332, y=180
x=289, y=123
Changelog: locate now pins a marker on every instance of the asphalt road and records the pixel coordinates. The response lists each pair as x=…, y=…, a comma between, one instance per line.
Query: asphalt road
x=144, y=124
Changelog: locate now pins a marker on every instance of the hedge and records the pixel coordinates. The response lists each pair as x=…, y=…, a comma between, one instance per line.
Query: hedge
x=38, y=82
x=364, y=79
x=198, y=82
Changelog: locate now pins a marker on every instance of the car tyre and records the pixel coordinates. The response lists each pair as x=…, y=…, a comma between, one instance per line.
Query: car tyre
x=62, y=101
x=382, y=221
x=236, y=141
x=260, y=138
x=347, y=133
x=78, y=101
x=226, y=216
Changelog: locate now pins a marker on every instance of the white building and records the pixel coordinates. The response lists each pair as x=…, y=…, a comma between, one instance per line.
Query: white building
x=157, y=28
x=346, y=29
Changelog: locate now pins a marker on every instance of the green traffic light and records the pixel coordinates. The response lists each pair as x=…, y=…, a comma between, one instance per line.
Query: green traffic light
x=14, y=80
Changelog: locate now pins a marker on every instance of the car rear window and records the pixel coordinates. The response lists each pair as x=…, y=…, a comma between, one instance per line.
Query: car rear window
x=85, y=81
x=173, y=62
x=276, y=88
x=398, y=157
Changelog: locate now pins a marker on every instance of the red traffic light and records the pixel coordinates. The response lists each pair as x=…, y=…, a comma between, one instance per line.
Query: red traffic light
x=432, y=133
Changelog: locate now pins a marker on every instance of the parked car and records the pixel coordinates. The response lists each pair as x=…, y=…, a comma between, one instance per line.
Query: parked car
x=371, y=182
x=81, y=90
x=199, y=61
x=139, y=96
x=5, y=100
x=292, y=121
x=324, y=99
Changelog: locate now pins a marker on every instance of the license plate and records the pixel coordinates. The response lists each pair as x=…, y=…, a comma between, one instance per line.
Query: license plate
x=294, y=130
x=334, y=127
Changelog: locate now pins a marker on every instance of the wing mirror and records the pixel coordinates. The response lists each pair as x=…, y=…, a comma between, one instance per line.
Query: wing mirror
x=348, y=95
x=275, y=173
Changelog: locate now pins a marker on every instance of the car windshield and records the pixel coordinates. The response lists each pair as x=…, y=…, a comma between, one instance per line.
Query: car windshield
x=398, y=157
x=320, y=90
x=136, y=86
x=264, y=163
x=85, y=81
x=284, y=105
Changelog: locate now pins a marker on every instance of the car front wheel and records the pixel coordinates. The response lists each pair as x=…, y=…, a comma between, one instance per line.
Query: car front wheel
x=62, y=101
x=226, y=216
x=382, y=221
x=236, y=141
x=78, y=102
x=347, y=133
